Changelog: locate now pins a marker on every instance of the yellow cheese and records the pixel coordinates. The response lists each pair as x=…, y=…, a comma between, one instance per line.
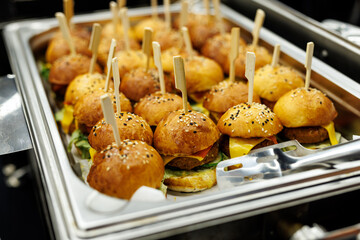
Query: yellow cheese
x=68, y=118
x=331, y=131
x=168, y=159
x=241, y=146
x=200, y=108
x=216, y=116
x=92, y=154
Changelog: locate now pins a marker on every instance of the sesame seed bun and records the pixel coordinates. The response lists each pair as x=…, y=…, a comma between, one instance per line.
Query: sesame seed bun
x=88, y=110
x=184, y=134
x=104, y=48
x=249, y=120
x=108, y=31
x=201, y=74
x=227, y=94
x=305, y=108
x=129, y=60
x=168, y=39
x=273, y=82
x=263, y=57
x=120, y=171
x=138, y=83
x=218, y=47
x=195, y=182
x=130, y=126
x=156, y=106
x=155, y=24
x=66, y=68
x=83, y=84
x=167, y=58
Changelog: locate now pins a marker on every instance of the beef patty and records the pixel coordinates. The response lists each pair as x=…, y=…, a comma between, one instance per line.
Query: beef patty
x=306, y=134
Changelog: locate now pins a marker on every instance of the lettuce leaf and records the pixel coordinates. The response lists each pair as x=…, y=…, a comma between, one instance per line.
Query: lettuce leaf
x=45, y=70
x=81, y=143
x=59, y=116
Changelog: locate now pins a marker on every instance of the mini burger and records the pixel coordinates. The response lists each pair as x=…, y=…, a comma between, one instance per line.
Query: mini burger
x=225, y=95
x=119, y=171
x=187, y=141
x=246, y=127
x=307, y=115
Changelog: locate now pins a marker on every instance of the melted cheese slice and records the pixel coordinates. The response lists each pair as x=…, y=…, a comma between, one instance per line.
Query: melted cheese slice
x=331, y=131
x=241, y=146
x=68, y=118
x=92, y=153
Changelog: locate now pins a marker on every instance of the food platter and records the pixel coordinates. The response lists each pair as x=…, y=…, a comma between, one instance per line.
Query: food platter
x=78, y=211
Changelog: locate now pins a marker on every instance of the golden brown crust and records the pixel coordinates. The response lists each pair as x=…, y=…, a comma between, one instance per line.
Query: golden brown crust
x=167, y=58
x=130, y=126
x=129, y=60
x=104, y=47
x=88, y=109
x=138, y=83
x=66, y=68
x=156, y=106
x=263, y=57
x=248, y=121
x=108, y=31
x=155, y=24
x=168, y=39
x=83, y=84
x=227, y=94
x=120, y=171
x=305, y=108
x=271, y=83
x=192, y=183
x=184, y=134
x=218, y=47
x=201, y=74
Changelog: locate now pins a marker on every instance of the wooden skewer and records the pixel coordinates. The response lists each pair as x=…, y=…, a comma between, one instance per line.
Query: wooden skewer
x=94, y=45
x=234, y=51
x=167, y=14
x=187, y=40
x=308, y=62
x=109, y=116
x=220, y=24
x=207, y=7
x=115, y=19
x=259, y=20
x=154, y=9
x=249, y=74
x=180, y=82
x=116, y=76
x=65, y=31
x=184, y=13
x=68, y=11
x=146, y=45
x=276, y=55
x=158, y=64
x=111, y=55
x=126, y=26
x=121, y=3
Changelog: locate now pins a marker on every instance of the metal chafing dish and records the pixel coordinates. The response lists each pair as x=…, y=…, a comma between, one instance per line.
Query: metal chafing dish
x=70, y=201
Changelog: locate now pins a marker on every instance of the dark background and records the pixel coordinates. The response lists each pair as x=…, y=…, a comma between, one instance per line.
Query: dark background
x=20, y=213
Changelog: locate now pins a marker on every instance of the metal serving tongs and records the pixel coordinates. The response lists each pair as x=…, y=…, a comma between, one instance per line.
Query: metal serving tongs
x=272, y=161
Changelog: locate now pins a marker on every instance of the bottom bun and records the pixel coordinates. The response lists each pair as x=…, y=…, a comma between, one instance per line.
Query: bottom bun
x=195, y=181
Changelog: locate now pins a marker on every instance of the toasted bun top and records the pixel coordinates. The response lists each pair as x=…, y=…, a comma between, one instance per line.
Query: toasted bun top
x=104, y=48
x=108, y=31
x=88, y=109
x=167, y=58
x=155, y=106
x=120, y=170
x=227, y=94
x=83, y=84
x=138, y=83
x=58, y=47
x=129, y=60
x=201, y=74
x=249, y=120
x=271, y=83
x=168, y=39
x=218, y=47
x=305, y=108
x=155, y=24
x=130, y=126
x=263, y=57
x=183, y=134
x=66, y=68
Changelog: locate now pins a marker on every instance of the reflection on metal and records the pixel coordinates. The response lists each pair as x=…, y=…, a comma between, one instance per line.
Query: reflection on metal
x=14, y=135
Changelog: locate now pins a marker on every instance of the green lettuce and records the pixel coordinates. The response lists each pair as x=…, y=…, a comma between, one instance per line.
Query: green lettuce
x=81, y=143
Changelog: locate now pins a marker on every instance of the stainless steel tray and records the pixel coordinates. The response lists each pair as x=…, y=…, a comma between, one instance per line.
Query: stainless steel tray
x=68, y=197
